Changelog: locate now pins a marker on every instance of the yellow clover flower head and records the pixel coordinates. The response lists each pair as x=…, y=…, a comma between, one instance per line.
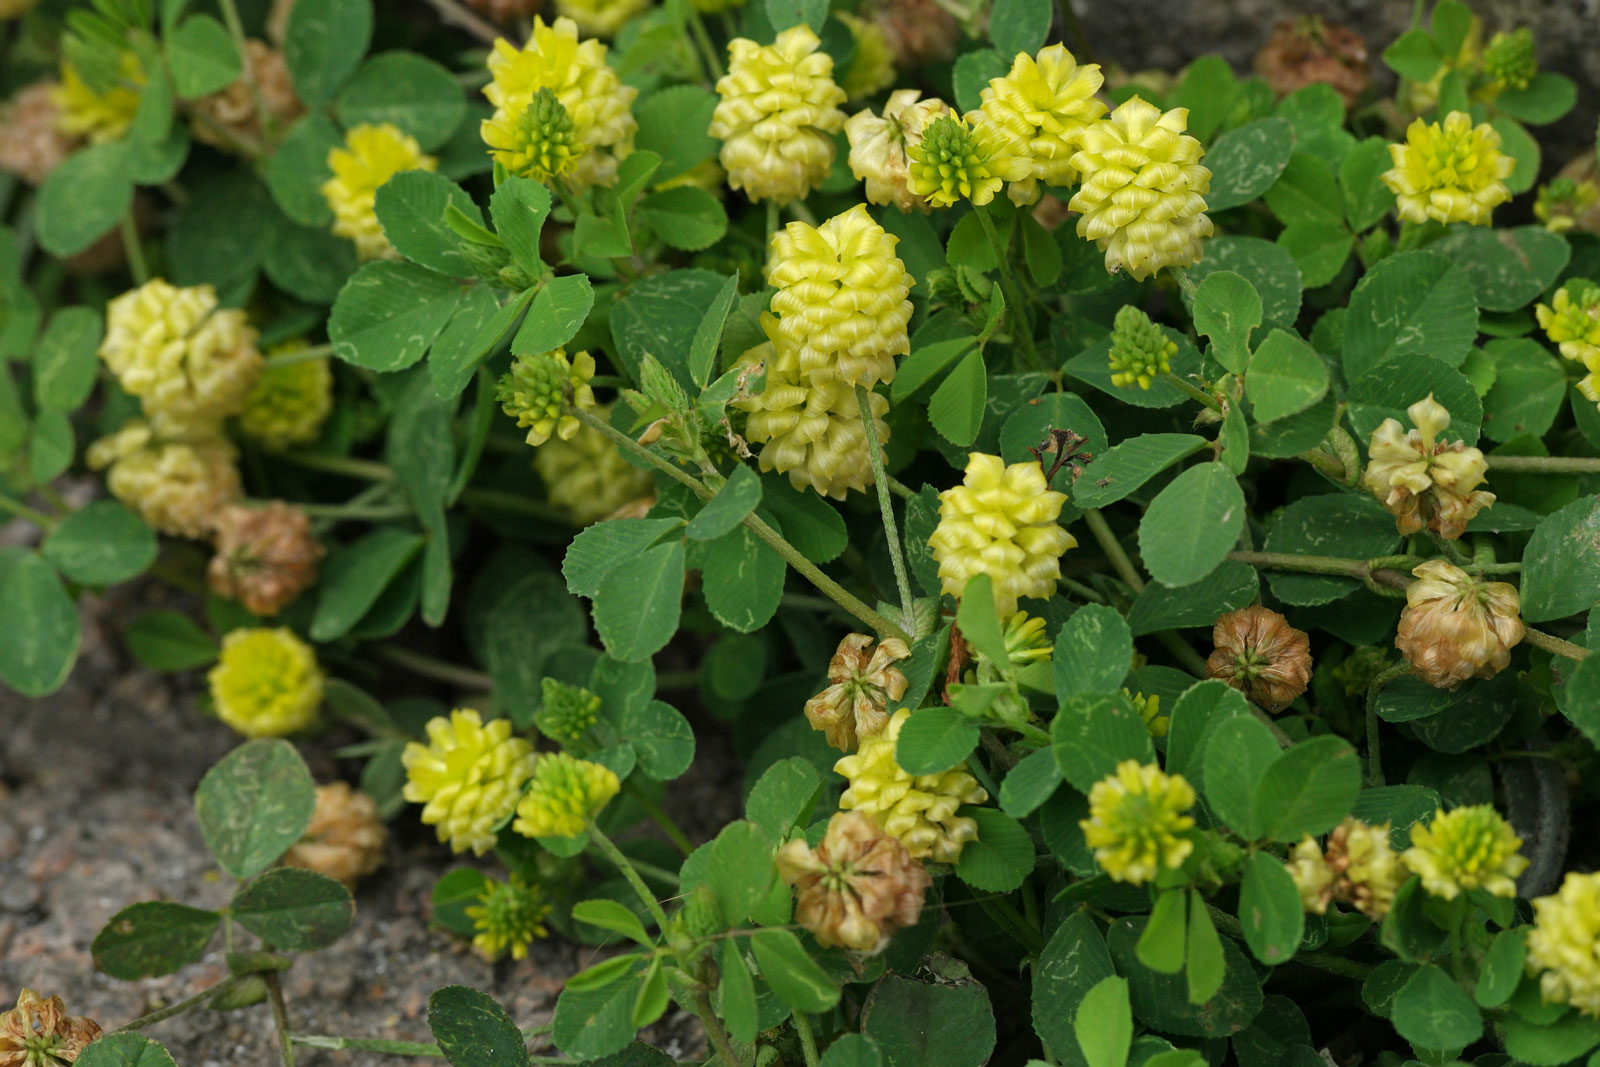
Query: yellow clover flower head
x=266, y=683
x=879, y=146
x=872, y=68
x=1453, y=172
x=1422, y=480
x=1510, y=60
x=1564, y=943
x=812, y=431
x=1467, y=848
x=539, y=388
x=1572, y=320
x=289, y=401
x=370, y=156
x=507, y=917
x=1136, y=822
x=596, y=101
x=179, y=485
x=1561, y=203
x=600, y=18
x=538, y=142
x=82, y=111
x=1455, y=626
x=919, y=809
x=777, y=116
x=185, y=357
x=587, y=476
x=1044, y=104
x=467, y=777
x=1140, y=350
x=842, y=300
x=563, y=796
x=1143, y=194
x=962, y=159
x=1001, y=521
x=1358, y=867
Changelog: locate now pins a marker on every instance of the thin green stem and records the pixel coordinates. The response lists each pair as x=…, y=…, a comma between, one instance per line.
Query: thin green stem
x=348, y=466
x=368, y=1044
x=300, y=355
x=830, y=588
x=659, y=817
x=899, y=488
x=891, y=530
x=626, y=868
x=133, y=249
x=808, y=1040
x=437, y=669
x=708, y=51
x=1193, y=391
x=1545, y=464
x=1113, y=550
x=356, y=512
x=33, y=515
x=183, y=1005
x=1015, y=309
x=714, y=1031
x=280, y=1017
x=1555, y=645
x=1321, y=961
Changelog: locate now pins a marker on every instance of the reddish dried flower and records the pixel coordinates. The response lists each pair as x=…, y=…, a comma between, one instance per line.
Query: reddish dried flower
x=345, y=839
x=1456, y=627
x=265, y=556
x=1306, y=51
x=856, y=703
x=38, y=1032
x=858, y=887
x=1261, y=655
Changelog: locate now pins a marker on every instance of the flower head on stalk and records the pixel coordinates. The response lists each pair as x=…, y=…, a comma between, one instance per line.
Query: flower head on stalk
x=1136, y=822
x=1466, y=848
x=266, y=682
x=1261, y=655
x=919, y=810
x=857, y=887
x=1564, y=944
x=862, y=682
x=1425, y=481
x=468, y=777
x=1455, y=626
x=563, y=795
x=963, y=159
x=1454, y=172
x=1044, y=104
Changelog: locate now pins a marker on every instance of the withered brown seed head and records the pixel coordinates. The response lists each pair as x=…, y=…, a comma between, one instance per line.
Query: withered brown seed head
x=858, y=887
x=919, y=32
x=38, y=1031
x=862, y=681
x=345, y=839
x=1261, y=655
x=266, y=556
x=1305, y=51
x=1456, y=627
x=30, y=145
x=233, y=110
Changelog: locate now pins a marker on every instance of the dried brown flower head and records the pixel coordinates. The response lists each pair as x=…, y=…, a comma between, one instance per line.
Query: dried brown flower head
x=345, y=839
x=38, y=1032
x=1422, y=479
x=919, y=32
x=230, y=115
x=1455, y=626
x=1305, y=51
x=1358, y=867
x=858, y=887
x=30, y=144
x=856, y=703
x=1261, y=655
x=265, y=556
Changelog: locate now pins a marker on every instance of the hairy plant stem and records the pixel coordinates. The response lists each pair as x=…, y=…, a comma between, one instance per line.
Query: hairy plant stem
x=714, y=1031
x=891, y=531
x=33, y=515
x=1016, y=315
x=808, y=1040
x=280, y=1017
x=659, y=817
x=1192, y=390
x=1113, y=549
x=131, y=247
x=1545, y=464
x=300, y=355
x=829, y=588
x=437, y=669
x=183, y=1005
x=625, y=867
x=1555, y=645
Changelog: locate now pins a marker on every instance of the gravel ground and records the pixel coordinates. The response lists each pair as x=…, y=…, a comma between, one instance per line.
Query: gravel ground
x=95, y=813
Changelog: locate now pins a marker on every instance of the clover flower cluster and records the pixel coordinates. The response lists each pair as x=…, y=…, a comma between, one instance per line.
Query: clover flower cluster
x=371, y=154
x=1425, y=481
x=1572, y=323
x=266, y=682
x=1357, y=866
x=1137, y=824
x=1449, y=172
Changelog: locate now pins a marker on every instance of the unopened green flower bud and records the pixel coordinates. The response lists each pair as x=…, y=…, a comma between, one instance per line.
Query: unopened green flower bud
x=1510, y=59
x=1140, y=351
x=568, y=712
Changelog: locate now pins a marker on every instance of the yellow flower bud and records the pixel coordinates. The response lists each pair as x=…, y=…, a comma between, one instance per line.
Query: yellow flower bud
x=468, y=777
x=1425, y=481
x=856, y=702
x=564, y=794
x=879, y=146
x=872, y=68
x=857, y=888
x=963, y=159
x=777, y=116
x=596, y=102
x=266, y=683
x=82, y=111
x=538, y=142
x=1140, y=350
x=177, y=484
x=1466, y=848
x=1564, y=943
x=1143, y=193
x=539, y=388
x=289, y=401
x=1572, y=320
x=179, y=352
x=1451, y=173
x=919, y=810
x=1001, y=521
x=1564, y=204
x=370, y=156
x=842, y=300
x=1136, y=822
x=1456, y=627
x=587, y=476
x=1044, y=104
x=1149, y=709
